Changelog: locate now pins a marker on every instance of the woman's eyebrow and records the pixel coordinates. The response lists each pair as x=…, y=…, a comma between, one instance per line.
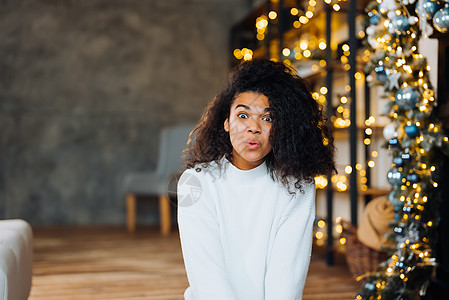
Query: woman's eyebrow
x=244, y=106
x=249, y=108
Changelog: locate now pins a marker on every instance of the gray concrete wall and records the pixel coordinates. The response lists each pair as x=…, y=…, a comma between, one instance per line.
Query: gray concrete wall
x=85, y=87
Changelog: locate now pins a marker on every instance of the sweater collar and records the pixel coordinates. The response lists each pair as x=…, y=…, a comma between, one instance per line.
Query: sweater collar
x=237, y=176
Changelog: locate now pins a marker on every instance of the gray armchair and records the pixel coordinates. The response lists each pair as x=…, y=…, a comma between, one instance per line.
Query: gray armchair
x=172, y=141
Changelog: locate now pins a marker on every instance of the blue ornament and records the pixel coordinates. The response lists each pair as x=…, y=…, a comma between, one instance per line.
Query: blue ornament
x=399, y=24
x=374, y=19
x=407, y=210
x=441, y=20
x=394, y=142
x=398, y=161
x=413, y=177
x=393, y=197
x=400, y=264
x=412, y=131
x=406, y=157
x=394, y=177
x=406, y=98
x=370, y=286
x=399, y=230
x=429, y=7
x=381, y=74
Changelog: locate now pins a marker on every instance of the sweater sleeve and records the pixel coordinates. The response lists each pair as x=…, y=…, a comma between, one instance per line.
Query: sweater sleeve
x=199, y=235
x=290, y=256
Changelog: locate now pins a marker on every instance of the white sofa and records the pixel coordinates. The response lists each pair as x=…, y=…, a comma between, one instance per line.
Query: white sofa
x=16, y=250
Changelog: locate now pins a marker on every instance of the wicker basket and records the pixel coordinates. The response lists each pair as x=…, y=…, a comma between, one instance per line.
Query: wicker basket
x=360, y=258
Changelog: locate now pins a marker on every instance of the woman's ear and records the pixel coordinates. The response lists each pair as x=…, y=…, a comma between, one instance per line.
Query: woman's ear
x=226, y=125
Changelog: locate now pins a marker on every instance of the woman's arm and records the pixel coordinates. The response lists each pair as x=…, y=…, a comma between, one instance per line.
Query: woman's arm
x=201, y=247
x=290, y=256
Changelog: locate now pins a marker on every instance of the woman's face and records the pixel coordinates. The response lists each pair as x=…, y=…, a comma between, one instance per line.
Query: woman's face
x=249, y=126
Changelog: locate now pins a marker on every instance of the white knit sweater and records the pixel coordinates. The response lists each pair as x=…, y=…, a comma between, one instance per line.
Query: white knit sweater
x=243, y=236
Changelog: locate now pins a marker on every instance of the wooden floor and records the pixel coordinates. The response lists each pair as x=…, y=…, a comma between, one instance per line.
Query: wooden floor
x=109, y=263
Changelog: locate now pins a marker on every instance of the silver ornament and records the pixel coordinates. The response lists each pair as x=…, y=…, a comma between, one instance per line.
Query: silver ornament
x=441, y=20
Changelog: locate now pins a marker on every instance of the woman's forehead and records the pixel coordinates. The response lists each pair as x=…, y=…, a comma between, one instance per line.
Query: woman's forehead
x=249, y=100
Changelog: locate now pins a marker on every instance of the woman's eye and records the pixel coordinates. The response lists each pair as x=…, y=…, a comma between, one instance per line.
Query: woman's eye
x=242, y=115
x=267, y=118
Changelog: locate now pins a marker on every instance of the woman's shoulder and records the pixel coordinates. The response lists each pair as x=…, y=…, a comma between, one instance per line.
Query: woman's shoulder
x=204, y=171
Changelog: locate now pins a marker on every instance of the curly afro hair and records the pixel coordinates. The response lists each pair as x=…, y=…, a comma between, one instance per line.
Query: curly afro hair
x=302, y=146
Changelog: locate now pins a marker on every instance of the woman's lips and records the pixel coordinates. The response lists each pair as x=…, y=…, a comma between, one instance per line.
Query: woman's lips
x=253, y=145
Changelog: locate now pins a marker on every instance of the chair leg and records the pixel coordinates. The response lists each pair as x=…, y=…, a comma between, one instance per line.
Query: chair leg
x=131, y=212
x=164, y=212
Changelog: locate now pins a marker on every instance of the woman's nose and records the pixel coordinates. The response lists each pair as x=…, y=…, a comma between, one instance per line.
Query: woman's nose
x=254, y=127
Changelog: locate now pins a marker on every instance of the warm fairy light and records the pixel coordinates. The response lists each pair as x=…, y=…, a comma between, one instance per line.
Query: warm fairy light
x=429, y=223
x=328, y=1
x=294, y=11
x=367, y=141
x=368, y=131
x=362, y=172
x=371, y=164
x=296, y=24
x=238, y=54
x=319, y=235
x=348, y=88
x=272, y=15
x=315, y=95
x=321, y=224
x=374, y=154
x=344, y=99
x=348, y=169
x=435, y=184
x=261, y=22
x=358, y=167
x=286, y=52
x=303, y=19
x=340, y=109
x=320, y=182
x=358, y=75
x=323, y=63
x=341, y=187
x=307, y=53
x=309, y=14
x=303, y=45
x=342, y=240
x=323, y=90
x=432, y=168
x=312, y=2
x=336, y=7
x=345, y=47
x=322, y=45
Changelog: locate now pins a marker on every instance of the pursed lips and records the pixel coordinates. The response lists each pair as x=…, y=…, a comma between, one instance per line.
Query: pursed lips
x=253, y=144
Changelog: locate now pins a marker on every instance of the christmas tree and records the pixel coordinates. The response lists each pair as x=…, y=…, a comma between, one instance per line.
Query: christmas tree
x=414, y=137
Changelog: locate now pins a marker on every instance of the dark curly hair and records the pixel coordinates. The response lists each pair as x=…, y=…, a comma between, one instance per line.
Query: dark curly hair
x=302, y=146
